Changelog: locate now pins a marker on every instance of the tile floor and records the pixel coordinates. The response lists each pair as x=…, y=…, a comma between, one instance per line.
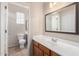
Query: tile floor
x=16, y=51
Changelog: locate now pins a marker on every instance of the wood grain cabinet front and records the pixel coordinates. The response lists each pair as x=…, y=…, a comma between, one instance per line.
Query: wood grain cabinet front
x=54, y=53
x=40, y=50
x=37, y=51
x=45, y=50
x=35, y=43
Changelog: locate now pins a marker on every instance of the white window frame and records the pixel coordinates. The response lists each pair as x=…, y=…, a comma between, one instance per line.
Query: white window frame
x=20, y=18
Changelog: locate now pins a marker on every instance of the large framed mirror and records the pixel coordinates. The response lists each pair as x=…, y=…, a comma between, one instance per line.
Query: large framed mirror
x=64, y=20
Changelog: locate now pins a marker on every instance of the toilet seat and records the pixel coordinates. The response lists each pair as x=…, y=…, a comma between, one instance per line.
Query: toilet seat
x=22, y=41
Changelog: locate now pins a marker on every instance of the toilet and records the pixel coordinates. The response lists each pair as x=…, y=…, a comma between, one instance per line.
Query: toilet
x=21, y=40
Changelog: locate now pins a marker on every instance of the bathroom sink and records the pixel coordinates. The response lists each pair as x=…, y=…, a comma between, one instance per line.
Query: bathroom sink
x=46, y=38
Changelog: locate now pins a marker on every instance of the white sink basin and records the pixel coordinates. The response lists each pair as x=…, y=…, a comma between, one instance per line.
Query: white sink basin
x=46, y=38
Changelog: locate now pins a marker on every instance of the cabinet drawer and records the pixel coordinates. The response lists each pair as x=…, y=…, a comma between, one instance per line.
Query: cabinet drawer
x=35, y=43
x=46, y=50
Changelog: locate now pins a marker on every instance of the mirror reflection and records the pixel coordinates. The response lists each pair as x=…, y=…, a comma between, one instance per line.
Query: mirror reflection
x=62, y=20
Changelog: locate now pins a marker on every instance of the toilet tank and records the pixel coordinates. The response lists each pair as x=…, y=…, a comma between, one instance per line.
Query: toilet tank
x=20, y=36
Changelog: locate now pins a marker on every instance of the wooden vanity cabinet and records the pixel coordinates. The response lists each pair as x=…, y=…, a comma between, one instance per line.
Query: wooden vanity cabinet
x=36, y=50
x=46, y=51
x=54, y=53
x=40, y=50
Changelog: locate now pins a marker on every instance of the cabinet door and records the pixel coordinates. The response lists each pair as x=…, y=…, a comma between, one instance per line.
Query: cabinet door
x=37, y=51
x=45, y=50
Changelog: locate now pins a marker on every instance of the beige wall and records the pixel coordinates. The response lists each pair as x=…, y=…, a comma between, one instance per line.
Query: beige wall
x=37, y=18
x=35, y=21
x=59, y=35
x=47, y=9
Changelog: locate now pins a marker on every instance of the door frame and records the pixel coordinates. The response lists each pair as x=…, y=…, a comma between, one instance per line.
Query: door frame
x=4, y=19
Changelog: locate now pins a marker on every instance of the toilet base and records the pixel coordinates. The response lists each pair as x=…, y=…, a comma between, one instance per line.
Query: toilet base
x=22, y=46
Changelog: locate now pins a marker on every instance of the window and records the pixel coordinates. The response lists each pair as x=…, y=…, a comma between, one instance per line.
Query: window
x=20, y=18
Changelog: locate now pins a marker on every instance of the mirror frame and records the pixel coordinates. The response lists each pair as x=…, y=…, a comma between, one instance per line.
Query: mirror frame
x=76, y=18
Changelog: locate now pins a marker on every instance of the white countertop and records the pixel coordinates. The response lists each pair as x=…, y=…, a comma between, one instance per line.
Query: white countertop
x=62, y=47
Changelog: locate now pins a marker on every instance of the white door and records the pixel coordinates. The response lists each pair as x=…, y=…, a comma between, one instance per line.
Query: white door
x=4, y=36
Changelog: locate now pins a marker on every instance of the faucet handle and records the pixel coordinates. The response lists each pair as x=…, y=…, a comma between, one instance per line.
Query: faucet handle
x=54, y=39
